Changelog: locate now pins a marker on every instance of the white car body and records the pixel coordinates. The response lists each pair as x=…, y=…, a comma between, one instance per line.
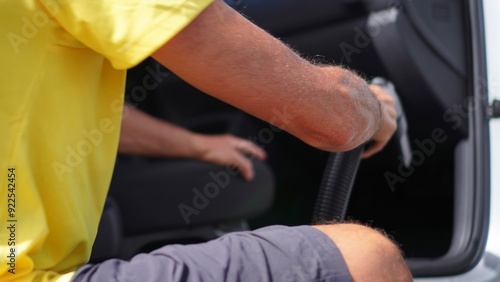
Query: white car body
x=489, y=269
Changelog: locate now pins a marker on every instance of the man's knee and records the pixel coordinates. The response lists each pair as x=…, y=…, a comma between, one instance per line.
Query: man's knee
x=369, y=254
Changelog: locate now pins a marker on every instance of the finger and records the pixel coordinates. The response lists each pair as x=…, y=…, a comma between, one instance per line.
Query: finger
x=254, y=151
x=251, y=149
x=382, y=96
x=373, y=149
x=244, y=165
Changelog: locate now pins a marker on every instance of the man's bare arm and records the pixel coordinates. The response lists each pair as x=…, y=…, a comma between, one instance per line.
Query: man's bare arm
x=225, y=55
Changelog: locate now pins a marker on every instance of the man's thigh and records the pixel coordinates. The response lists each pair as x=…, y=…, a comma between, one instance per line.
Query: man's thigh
x=274, y=253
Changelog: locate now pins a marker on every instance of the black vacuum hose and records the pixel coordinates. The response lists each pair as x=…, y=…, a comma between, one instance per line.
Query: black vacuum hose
x=336, y=186
x=341, y=168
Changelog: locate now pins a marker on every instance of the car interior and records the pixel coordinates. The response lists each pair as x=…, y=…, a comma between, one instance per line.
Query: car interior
x=432, y=207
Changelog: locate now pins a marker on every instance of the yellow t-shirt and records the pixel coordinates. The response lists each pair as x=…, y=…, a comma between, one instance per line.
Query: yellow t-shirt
x=62, y=79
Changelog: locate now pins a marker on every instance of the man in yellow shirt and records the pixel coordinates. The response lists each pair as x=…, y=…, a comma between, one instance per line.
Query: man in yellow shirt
x=62, y=84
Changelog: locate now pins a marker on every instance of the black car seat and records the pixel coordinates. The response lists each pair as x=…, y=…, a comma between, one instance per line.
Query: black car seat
x=152, y=203
x=155, y=201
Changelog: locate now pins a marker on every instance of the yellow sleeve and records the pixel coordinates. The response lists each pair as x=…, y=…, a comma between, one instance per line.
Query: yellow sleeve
x=124, y=31
x=60, y=113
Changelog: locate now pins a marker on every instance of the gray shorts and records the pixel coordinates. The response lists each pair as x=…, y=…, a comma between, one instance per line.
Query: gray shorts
x=275, y=253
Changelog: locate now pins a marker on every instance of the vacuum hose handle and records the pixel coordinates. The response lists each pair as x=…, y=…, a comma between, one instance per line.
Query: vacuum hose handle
x=401, y=134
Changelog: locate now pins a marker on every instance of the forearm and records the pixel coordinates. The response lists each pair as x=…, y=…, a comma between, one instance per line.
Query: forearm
x=228, y=57
x=145, y=135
